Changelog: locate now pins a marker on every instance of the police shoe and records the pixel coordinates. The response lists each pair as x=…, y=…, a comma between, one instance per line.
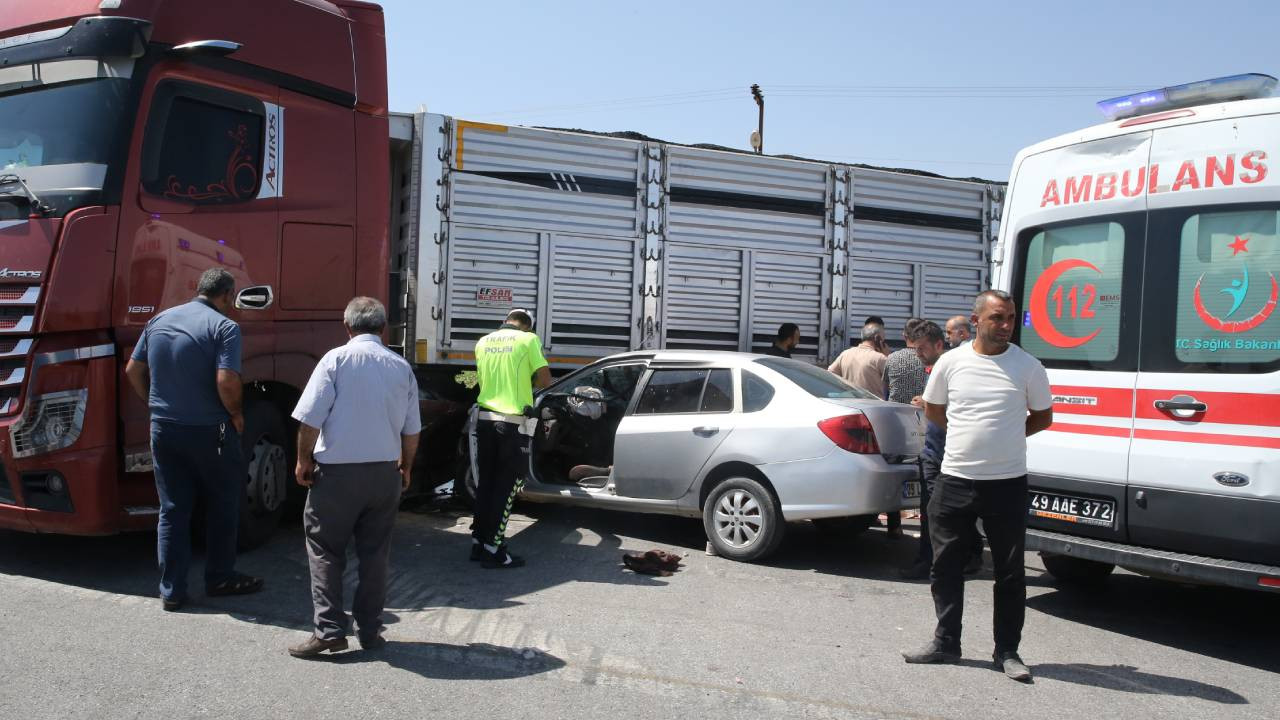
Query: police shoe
x=501, y=560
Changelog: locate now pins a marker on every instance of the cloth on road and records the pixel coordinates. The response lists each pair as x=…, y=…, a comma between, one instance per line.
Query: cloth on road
x=350, y=501
x=196, y=463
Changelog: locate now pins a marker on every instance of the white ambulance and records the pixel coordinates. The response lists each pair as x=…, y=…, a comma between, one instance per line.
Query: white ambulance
x=1144, y=254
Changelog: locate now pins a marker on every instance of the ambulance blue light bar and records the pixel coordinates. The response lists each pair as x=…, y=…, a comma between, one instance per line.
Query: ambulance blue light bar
x=1235, y=87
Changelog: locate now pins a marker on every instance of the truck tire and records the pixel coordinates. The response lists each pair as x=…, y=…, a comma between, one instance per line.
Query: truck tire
x=268, y=455
x=742, y=520
x=845, y=526
x=1076, y=571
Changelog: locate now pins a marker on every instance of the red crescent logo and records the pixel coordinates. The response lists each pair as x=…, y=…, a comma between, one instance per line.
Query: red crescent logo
x=1237, y=326
x=1039, y=305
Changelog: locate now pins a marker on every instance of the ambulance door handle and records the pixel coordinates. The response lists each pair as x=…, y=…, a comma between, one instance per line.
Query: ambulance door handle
x=1181, y=403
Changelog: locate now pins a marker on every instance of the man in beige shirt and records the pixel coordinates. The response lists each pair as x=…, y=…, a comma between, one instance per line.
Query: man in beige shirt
x=863, y=365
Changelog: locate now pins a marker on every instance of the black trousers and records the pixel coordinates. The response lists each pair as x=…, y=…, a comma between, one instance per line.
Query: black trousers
x=931, y=471
x=350, y=501
x=194, y=462
x=954, y=509
x=498, y=460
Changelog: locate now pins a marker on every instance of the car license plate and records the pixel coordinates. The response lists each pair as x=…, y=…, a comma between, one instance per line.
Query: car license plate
x=1068, y=508
x=911, y=489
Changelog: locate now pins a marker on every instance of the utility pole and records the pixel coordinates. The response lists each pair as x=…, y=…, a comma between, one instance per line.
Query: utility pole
x=757, y=137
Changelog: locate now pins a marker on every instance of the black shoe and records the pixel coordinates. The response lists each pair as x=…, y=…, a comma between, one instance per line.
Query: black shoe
x=501, y=560
x=314, y=646
x=933, y=653
x=377, y=642
x=1012, y=665
x=974, y=566
x=919, y=571
x=172, y=605
x=477, y=552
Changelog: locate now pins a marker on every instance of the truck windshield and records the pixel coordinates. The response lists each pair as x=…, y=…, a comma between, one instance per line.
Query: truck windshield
x=60, y=138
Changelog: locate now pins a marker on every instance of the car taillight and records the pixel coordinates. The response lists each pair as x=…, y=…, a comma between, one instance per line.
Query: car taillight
x=852, y=433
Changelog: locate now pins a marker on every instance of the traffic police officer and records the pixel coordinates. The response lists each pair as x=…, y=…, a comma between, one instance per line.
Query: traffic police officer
x=186, y=366
x=510, y=365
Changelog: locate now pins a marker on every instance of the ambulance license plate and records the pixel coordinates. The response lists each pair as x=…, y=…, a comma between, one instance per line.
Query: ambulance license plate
x=911, y=489
x=1068, y=508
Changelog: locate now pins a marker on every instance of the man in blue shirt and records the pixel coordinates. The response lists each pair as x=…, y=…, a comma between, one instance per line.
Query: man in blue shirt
x=186, y=366
x=357, y=435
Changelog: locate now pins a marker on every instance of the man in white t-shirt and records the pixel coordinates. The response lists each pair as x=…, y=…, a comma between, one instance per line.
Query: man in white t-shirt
x=989, y=396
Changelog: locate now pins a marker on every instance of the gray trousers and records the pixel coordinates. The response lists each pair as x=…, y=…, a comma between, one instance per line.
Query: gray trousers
x=346, y=501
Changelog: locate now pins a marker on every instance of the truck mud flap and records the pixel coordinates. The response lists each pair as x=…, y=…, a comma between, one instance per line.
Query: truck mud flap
x=1161, y=563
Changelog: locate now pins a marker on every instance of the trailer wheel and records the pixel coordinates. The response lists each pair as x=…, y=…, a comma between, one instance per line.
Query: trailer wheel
x=268, y=474
x=1076, y=571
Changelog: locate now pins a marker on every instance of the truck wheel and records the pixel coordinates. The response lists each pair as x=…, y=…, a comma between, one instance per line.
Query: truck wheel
x=269, y=472
x=1075, y=570
x=844, y=526
x=742, y=520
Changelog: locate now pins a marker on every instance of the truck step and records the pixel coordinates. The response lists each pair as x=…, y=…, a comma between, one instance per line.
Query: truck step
x=1172, y=565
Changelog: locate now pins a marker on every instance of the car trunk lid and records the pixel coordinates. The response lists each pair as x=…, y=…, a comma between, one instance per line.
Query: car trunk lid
x=899, y=428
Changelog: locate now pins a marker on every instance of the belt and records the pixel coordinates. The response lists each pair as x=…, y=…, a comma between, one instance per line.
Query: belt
x=527, y=425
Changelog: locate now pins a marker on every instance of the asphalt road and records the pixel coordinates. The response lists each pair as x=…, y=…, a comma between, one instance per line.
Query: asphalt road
x=815, y=632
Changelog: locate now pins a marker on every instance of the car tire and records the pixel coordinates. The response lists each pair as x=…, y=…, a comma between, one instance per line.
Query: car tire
x=268, y=458
x=742, y=520
x=1076, y=571
x=845, y=526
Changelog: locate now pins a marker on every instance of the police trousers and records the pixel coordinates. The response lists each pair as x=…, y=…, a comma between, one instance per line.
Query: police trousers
x=499, y=462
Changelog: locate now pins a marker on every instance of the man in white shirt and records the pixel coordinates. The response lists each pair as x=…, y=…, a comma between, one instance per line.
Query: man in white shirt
x=989, y=396
x=357, y=434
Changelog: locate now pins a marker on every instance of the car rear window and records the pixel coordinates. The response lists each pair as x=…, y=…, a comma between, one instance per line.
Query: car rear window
x=756, y=393
x=818, y=383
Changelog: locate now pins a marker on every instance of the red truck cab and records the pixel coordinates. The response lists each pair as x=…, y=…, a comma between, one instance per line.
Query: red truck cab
x=142, y=142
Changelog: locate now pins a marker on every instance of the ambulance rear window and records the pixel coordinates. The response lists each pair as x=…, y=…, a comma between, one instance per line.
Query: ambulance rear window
x=1071, y=293
x=1228, y=288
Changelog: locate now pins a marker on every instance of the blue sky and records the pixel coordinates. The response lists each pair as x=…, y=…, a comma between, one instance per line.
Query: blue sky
x=950, y=87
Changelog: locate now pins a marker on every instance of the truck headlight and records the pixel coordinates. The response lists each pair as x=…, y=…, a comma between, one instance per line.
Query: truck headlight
x=51, y=422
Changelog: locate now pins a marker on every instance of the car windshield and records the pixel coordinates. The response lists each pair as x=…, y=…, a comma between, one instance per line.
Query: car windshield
x=816, y=382
x=59, y=137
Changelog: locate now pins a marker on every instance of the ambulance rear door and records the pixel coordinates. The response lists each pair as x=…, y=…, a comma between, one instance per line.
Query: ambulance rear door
x=1204, y=470
x=1077, y=224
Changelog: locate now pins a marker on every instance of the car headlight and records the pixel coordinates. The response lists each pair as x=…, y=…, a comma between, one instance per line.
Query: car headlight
x=51, y=422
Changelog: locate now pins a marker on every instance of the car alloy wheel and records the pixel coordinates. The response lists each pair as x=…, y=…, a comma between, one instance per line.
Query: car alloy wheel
x=742, y=519
x=738, y=520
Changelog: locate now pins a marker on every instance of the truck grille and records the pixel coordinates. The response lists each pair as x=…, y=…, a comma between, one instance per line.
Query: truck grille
x=10, y=317
x=17, y=323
